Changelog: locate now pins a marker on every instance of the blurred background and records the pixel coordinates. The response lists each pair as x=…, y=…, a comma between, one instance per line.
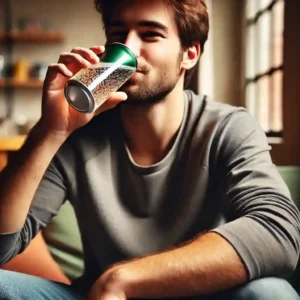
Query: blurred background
x=251, y=60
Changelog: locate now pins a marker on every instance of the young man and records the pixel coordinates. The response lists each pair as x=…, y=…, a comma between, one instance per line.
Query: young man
x=175, y=195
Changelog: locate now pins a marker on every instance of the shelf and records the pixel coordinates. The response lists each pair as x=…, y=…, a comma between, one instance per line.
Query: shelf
x=30, y=84
x=35, y=37
x=11, y=143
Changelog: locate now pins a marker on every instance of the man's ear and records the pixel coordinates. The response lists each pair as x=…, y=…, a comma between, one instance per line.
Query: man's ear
x=191, y=56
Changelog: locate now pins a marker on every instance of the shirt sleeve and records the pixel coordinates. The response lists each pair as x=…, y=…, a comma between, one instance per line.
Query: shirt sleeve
x=263, y=221
x=46, y=203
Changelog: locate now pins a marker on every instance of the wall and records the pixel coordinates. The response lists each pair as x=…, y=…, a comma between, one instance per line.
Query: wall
x=227, y=50
x=76, y=19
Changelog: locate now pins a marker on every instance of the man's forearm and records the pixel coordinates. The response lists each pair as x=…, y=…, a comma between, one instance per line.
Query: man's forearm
x=20, y=179
x=208, y=264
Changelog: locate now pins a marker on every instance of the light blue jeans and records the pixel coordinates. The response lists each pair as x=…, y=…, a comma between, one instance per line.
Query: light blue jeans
x=16, y=286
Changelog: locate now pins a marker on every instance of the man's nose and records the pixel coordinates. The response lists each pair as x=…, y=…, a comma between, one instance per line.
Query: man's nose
x=133, y=43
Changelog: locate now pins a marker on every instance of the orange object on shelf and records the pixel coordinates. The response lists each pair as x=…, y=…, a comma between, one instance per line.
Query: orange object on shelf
x=21, y=70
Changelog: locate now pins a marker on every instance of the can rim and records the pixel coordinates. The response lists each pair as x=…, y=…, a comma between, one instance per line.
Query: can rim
x=91, y=104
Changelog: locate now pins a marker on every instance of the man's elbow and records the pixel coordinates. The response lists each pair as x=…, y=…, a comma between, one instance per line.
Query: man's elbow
x=9, y=247
x=290, y=260
x=286, y=257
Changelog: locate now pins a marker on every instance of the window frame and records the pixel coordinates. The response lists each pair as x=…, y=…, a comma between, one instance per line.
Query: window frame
x=257, y=76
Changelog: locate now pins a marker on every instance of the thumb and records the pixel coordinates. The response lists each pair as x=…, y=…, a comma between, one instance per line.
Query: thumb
x=113, y=296
x=111, y=102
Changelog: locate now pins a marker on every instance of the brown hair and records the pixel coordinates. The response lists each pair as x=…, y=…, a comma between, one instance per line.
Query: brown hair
x=191, y=18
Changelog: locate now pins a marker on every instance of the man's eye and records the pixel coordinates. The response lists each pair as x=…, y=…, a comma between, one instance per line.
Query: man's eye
x=152, y=34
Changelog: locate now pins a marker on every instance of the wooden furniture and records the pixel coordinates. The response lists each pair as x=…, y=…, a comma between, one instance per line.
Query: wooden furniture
x=35, y=37
x=27, y=33
x=9, y=38
x=27, y=37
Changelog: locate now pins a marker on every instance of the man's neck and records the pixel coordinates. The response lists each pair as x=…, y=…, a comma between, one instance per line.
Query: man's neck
x=150, y=131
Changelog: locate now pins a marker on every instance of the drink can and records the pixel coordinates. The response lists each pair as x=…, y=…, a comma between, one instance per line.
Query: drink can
x=91, y=87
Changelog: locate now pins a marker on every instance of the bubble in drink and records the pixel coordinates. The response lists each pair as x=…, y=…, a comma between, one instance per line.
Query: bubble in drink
x=108, y=81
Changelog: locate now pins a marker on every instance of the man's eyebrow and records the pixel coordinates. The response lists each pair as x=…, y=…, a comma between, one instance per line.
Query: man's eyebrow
x=145, y=23
x=154, y=24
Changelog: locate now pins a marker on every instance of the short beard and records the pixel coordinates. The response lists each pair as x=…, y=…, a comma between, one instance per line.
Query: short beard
x=150, y=95
x=157, y=91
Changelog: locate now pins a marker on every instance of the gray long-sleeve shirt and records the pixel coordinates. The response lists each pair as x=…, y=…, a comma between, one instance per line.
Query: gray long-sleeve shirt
x=218, y=177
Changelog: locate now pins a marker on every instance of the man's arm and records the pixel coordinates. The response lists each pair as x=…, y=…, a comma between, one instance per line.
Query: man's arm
x=21, y=178
x=261, y=237
x=207, y=264
x=36, y=260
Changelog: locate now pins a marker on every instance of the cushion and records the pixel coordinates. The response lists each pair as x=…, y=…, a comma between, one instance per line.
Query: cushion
x=64, y=242
x=291, y=176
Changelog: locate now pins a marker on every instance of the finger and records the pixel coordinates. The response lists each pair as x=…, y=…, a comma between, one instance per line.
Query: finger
x=98, y=49
x=88, y=54
x=59, y=68
x=117, y=97
x=111, y=102
x=113, y=295
x=73, y=58
x=110, y=297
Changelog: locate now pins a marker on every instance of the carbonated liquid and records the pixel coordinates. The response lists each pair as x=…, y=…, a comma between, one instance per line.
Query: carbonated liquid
x=108, y=81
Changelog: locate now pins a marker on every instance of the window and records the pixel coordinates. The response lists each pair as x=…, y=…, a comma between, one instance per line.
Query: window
x=264, y=63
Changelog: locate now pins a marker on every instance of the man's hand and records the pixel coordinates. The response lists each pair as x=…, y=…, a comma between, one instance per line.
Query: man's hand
x=57, y=114
x=207, y=264
x=108, y=287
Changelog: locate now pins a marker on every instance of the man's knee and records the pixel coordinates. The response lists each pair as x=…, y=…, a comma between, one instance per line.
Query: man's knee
x=266, y=289
x=16, y=286
x=8, y=287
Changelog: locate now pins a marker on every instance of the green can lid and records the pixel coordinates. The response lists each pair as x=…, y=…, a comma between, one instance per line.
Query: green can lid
x=116, y=51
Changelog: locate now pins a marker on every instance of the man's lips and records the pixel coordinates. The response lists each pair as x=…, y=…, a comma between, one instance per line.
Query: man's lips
x=137, y=73
x=132, y=80
x=135, y=76
x=142, y=69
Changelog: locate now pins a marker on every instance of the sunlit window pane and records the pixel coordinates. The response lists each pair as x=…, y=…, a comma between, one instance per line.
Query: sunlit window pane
x=251, y=49
x=251, y=9
x=276, y=104
x=264, y=53
x=263, y=102
x=262, y=4
x=277, y=33
x=264, y=36
x=251, y=98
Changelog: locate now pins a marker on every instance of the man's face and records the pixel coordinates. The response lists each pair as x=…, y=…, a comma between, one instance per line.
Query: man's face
x=148, y=28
